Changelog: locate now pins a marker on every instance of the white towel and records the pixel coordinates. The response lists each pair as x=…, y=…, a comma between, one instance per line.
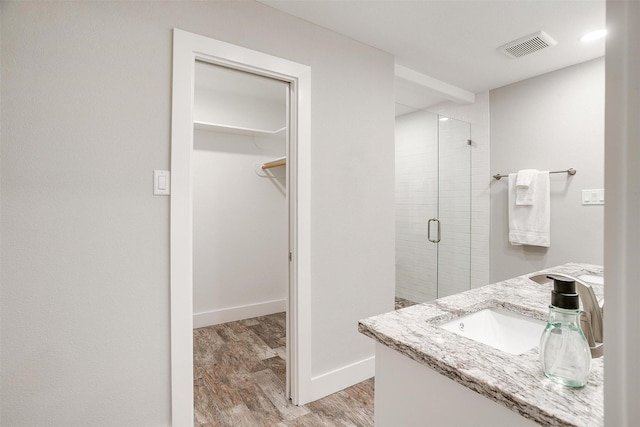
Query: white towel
x=526, y=187
x=530, y=224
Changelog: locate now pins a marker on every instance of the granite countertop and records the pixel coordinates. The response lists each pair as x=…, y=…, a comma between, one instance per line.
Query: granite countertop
x=515, y=381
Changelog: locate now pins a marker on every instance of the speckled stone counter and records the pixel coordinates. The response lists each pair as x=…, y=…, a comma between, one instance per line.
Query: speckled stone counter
x=515, y=381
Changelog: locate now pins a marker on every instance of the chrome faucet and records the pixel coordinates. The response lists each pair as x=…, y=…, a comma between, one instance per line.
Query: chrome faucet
x=591, y=316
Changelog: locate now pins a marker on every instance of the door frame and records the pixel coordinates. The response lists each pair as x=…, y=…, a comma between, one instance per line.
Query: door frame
x=187, y=48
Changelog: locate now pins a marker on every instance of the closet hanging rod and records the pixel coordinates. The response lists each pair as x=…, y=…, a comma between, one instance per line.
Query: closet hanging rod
x=570, y=171
x=275, y=163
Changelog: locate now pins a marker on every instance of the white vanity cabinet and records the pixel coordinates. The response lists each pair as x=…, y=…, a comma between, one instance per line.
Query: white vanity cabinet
x=409, y=394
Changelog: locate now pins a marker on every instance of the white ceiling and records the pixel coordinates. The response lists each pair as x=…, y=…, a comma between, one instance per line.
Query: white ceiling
x=455, y=41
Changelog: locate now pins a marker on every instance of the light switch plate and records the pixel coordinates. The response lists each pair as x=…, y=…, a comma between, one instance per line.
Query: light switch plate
x=161, y=183
x=593, y=197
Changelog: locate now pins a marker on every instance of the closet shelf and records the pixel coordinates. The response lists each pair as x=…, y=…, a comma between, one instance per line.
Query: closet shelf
x=234, y=129
x=281, y=161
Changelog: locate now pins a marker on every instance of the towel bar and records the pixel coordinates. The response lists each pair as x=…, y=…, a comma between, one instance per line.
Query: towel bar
x=570, y=171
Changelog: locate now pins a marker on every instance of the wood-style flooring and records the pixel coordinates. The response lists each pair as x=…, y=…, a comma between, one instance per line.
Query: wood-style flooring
x=239, y=380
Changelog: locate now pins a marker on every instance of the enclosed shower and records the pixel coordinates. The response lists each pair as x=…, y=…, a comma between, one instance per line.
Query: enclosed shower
x=433, y=206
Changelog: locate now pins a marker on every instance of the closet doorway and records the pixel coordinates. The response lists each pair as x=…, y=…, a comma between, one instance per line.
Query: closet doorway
x=240, y=231
x=433, y=206
x=240, y=213
x=191, y=51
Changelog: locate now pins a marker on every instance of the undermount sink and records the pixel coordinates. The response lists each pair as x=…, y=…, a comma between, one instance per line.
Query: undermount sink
x=505, y=330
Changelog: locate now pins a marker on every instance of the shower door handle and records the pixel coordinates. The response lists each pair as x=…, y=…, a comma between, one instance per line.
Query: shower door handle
x=429, y=230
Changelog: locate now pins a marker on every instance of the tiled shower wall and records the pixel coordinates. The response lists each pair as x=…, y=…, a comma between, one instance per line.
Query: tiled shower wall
x=416, y=202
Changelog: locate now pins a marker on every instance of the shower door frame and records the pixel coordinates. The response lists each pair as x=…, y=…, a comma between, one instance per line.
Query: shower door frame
x=187, y=49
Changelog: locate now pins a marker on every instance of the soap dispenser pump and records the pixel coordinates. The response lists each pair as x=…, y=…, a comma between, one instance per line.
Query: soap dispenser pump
x=564, y=351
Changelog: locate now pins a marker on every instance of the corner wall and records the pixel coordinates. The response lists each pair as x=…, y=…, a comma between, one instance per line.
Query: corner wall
x=84, y=262
x=550, y=122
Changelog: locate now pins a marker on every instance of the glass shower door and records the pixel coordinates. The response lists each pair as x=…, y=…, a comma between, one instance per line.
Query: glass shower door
x=416, y=194
x=454, y=206
x=433, y=206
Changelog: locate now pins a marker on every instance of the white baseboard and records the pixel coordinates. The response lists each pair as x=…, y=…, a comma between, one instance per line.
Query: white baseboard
x=341, y=378
x=215, y=317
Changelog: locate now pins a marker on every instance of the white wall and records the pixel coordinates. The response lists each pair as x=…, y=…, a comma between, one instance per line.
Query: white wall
x=239, y=99
x=240, y=228
x=256, y=113
x=550, y=122
x=622, y=229
x=84, y=260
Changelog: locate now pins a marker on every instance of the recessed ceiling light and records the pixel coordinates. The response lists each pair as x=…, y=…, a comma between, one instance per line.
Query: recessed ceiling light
x=593, y=35
x=444, y=119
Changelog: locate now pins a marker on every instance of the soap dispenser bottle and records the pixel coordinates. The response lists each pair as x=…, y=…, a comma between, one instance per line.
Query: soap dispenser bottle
x=564, y=351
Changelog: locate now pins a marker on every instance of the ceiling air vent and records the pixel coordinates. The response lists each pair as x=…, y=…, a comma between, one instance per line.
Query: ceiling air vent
x=527, y=45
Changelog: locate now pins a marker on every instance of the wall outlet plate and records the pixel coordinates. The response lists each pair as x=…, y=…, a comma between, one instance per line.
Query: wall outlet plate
x=593, y=197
